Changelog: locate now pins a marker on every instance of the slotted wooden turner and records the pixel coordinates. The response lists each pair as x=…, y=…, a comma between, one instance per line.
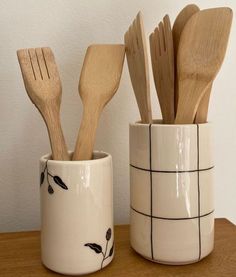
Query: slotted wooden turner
x=162, y=54
x=43, y=86
x=136, y=54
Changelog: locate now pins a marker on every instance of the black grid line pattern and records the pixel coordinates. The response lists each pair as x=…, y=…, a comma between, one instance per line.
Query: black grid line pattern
x=150, y=166
x=172, y=171
x=172, y=218
x=151, y=216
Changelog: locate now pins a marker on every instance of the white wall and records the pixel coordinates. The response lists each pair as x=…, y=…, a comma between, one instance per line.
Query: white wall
x=68, y=27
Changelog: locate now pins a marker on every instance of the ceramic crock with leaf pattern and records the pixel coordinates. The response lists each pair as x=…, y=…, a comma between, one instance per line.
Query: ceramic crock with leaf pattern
x=76, y=214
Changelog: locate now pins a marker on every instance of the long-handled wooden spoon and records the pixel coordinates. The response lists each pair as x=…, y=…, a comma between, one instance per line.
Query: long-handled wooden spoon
x=99, y=80
x=43, y=86
x=136, y=54
x=162, y=54
x=201, y=52
x=180, y=21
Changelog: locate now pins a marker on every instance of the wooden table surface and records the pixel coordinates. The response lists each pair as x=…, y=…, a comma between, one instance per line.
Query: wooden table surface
x=20, y=256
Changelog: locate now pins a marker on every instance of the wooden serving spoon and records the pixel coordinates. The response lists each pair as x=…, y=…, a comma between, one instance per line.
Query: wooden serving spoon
x=43, y=86
x=136, y=54
x=180, y=21
x=99, y=81
x=201, y=52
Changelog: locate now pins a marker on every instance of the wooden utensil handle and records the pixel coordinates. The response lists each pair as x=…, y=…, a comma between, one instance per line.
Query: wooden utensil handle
x=202, y=111
x=188, y=104
x=86, y=137
x=57, y=140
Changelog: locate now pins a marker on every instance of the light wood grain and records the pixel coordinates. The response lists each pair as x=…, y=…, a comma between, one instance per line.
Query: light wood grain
x=201, y=52
x=136, y=54
x=43, y=86
x=178, y=26
x=99, y=81
x=20, y=256
x=202, y=110
x=162, y=56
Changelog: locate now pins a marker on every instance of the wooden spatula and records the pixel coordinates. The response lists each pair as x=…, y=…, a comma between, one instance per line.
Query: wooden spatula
x=162, y=54
x=136, y=54
x=43, y=86
x=201, y=52
x=180, y=21
x=99, y=80
x=202, y=110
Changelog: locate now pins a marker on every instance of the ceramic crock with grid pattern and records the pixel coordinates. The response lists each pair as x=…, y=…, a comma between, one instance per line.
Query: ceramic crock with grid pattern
x=171, y=181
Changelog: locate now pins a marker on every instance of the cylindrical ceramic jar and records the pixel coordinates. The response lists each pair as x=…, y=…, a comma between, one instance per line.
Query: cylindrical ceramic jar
x=171, y=179
x=77, y=214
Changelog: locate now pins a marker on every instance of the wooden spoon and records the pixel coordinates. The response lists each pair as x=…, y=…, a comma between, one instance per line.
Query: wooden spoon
x=162, y=54
x=99, y=80
x=180, y=21
x=43, y=86
x=201, y=52
x=136, y=54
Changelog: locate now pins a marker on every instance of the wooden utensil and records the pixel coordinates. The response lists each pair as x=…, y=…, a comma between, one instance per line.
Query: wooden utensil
x=99, y=80
x=202, y=110
x=201, y=52
x=180, y=21
x=43, y=86
x=162, y=54
x=136, y=54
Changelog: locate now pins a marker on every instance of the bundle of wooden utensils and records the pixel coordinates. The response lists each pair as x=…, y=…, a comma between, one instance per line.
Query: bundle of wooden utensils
x=99, y=80
x=185, y=61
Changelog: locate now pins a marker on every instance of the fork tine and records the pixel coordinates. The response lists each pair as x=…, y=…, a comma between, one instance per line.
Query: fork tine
x=50, y=63
x=42, y=64
x=168, y=33
x=25, y=64
x=157, y=42
x=35, y=64
x=153, y=51
x=169, y=44
x=162, y=37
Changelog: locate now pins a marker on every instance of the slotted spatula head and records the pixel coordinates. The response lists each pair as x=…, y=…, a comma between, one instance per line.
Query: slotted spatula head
x=101, y=73
x=162, y=54
x=136, y=54
x=201, y=52
x=40, y=75
x=43, y=86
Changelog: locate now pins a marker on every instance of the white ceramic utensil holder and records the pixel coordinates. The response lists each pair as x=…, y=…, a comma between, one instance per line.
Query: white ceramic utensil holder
x=171, y=179
x=77, y=214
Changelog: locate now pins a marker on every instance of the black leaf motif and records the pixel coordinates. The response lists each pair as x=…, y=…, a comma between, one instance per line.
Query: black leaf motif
x=59, y=182
x=108, y=234
x=50, y=189
x=41, y=178
x=111, y=250
x=97, y=248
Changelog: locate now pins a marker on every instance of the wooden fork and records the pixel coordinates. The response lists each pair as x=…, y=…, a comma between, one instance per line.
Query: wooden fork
x=43, y=86
x=162, y=56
